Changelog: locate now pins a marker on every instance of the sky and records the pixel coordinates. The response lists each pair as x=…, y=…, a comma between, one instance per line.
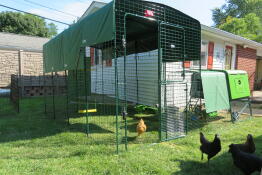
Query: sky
x=199, y=9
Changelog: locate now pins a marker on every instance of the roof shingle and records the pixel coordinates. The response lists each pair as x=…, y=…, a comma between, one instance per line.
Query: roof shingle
x=21, y=42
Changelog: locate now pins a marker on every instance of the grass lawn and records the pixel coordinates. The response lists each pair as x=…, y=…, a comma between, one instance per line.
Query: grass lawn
x=32, y=144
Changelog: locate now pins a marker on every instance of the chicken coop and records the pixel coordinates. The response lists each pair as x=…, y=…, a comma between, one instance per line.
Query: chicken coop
x=125, y=62
x=222, y=91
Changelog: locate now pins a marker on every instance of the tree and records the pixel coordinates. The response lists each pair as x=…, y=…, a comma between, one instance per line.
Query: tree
x=20, y=23
x=237, y=9
x=249, y=27
x=52, y=29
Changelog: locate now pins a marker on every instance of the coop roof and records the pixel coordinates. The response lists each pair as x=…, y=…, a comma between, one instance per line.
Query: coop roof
x=61, y=52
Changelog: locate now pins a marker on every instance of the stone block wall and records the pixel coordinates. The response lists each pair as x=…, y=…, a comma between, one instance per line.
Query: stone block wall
x=9, y=64
x=32, y=64
x=19, y=62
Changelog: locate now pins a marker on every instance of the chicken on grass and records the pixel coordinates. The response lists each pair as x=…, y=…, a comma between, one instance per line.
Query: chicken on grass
x=141, y=127
x=248, y=146
x=210, y=148
x=246, y=162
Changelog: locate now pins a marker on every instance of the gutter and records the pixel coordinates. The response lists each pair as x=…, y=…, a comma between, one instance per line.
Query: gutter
x=14, y=48
x=238, y=39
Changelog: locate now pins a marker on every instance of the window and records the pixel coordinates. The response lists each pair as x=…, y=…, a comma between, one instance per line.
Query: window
x=98, y=56
x=204, y=54
x=107, y=54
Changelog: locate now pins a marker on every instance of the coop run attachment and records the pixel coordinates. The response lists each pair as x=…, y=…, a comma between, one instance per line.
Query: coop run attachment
x=125, y=62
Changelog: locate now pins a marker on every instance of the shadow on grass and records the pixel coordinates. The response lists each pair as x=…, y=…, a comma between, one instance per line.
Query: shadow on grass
x=258, y=143
x=80, y=127
x=32, y=123
x=222, y=164
x=219, y=165
x=197, y=123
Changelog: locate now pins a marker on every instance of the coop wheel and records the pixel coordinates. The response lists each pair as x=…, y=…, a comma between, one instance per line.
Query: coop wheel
x=235, y=116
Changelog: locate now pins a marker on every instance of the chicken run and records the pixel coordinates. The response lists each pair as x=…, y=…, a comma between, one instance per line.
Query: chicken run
x=124, y=69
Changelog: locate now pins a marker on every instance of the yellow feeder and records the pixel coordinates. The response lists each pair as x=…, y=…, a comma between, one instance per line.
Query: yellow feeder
x=87, y=111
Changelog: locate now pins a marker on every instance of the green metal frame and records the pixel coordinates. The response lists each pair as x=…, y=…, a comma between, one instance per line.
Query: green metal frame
x=164, y=19
x=164, y=82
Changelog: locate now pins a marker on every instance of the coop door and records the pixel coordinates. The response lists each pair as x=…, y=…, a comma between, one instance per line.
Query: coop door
x=173, y=86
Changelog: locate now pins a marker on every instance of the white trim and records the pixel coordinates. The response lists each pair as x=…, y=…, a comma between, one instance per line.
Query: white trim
x=230, y=37
x=236, y=72
x=94, y=5
x=11, y=48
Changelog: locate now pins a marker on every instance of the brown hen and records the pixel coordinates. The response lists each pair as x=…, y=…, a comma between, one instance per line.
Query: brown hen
x=141, y=127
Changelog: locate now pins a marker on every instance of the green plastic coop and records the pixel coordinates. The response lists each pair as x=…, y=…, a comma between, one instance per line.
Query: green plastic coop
x=238, y=84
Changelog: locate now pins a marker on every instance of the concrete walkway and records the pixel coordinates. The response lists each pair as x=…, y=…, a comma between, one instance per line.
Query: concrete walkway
x=257, y=97
x=256, y=104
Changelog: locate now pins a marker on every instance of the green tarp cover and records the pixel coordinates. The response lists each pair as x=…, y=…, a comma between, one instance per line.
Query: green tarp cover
x=63, y=51
x=215, y=90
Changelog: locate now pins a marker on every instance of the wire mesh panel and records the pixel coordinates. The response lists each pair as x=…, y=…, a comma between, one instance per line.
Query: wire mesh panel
x=60, y=95
x=176, y=81
x=15, y=95
x=136, y=79
x=160, y=13
x=173, y=120
x=102, y=98
x=49, y=95
x=72, y=94
x=142, y=96
x=55, y=95
x=165, y=94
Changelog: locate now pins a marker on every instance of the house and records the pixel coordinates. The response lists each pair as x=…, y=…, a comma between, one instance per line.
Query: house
x=224, y=50
x=219, y=50
x=258, y=78
x=20, y=55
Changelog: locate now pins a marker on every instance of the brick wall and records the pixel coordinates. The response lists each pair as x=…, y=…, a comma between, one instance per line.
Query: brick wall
x=246, y=60
x=29, y=63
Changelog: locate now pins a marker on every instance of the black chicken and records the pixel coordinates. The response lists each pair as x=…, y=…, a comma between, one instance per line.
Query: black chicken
x=246, y=162
x=209, y=148
x=248, y=146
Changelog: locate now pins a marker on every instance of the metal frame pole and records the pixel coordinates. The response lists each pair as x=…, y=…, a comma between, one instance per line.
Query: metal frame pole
x=86, y=99
x=67, y=98
x=53, y=96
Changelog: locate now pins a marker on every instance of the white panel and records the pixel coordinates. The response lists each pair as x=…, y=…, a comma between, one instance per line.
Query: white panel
x=145, y=84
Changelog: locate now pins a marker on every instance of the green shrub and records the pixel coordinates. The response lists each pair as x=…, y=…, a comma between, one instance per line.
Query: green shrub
x=144, y=109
